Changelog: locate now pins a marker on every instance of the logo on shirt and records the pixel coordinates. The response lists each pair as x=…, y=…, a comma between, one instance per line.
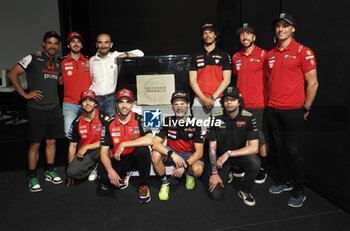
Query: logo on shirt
x=241, y=123
x=116, y=140
x=152, y=118
x=69, y=73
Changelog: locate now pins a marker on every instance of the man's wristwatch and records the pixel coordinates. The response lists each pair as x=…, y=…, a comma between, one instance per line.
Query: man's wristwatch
x=212, y=98
x=229, y=153
x=306, y=110
x=170, y=153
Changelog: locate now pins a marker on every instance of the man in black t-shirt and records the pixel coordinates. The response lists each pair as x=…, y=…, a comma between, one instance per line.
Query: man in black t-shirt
x=184, y=147
x=234, y=142
x=45, y=119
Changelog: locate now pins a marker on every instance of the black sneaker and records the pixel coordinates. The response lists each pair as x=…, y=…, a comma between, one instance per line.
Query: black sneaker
x=238, y=172
x=248, y=199
x=230, y=177
x=144, y=194
x=261, y=177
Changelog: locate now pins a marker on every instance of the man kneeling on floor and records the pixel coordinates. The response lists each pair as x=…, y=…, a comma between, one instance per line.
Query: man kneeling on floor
x=128, y=141
x=184, y=147
x=86, y=131
x=235, y=142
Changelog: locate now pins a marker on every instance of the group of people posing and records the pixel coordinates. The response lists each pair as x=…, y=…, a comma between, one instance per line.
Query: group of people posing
x=274, y=90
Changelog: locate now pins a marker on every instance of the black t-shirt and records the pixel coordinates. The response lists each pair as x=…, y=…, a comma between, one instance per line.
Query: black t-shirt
x=180, y=136
x=232, y=134
x=42, y=74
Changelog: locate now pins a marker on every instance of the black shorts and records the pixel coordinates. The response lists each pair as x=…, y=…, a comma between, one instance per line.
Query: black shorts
x=259, y=115
x=45, y=124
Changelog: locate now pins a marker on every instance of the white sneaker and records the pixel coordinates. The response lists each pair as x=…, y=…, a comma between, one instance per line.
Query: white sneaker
x=93, y=174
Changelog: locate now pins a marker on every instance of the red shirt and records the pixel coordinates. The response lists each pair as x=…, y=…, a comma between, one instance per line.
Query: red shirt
x=116, y=132
x=86, y=132
x=251, y=79
x=287, y=80
x=76, y=78
x=209, y=67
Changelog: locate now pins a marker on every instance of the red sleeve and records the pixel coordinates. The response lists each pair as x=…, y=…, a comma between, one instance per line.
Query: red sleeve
x=234, y=64
x=307, y=59
x=266, y=63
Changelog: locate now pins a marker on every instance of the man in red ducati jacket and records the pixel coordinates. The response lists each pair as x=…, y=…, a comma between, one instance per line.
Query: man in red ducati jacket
x=85, y=133
x=248, y=65
x=124, y=147
x=76, y=79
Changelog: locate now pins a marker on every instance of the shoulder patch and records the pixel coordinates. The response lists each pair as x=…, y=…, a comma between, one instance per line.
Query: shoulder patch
x=218, y=113
x=246, y=113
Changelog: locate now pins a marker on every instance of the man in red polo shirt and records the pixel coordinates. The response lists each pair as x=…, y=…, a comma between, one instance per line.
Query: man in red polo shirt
x=210, y=74
x=86, y=132
x=248, y=65
x=76, y=79
x=124, y=147
x=289, y=65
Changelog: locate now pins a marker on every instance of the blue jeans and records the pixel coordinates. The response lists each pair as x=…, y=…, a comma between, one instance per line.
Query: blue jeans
x=70, y=112
x=107, y=104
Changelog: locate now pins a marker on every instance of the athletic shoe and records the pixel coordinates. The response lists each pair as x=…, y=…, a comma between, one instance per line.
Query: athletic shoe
x=297, y=201
x=229, y=177
x=52, y=176
x=34, y=185
x=164, y=192
x=248, y=199
x=93, y=175
x=190, y=182
x=104, y=187
x=125, y=181
x=144, y=194
x=277, y=189
x=261, y=177
x=238, y=172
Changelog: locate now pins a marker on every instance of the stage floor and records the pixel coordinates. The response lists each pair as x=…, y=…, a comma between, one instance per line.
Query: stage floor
x=85, y=207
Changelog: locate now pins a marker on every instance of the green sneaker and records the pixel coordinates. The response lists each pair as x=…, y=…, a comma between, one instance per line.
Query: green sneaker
x=190, y=182
x=34, y=185
x=164, y=192
x=53, y=177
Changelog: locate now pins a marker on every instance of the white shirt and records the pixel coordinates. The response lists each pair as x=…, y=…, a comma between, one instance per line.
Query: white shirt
x=104, y=72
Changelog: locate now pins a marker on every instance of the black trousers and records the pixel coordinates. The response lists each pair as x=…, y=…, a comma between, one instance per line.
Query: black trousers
x=285, y=127
x=139, y=160
x=251, y=166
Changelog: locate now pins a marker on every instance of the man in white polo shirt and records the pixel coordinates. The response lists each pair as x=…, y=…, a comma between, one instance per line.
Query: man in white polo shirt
x=104, y=72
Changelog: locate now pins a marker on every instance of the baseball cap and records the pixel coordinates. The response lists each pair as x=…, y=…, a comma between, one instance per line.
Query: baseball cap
x=88, y=94
x=180, y=95
x=232, y=91
x=209, y=26
x=125, y=93
x=286, y=17
x=74, y=35
x=246, y=26
x=50, y=34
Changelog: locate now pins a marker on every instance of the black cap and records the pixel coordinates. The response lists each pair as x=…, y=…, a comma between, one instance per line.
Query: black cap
x=209, y=26
x=246, y=26
x=286, y=17
x=50, y=34
x=231, y=91
x=180, y=95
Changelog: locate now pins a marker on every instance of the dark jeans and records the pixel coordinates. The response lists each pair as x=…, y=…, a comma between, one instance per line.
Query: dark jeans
x=251, y=166
x=139, y=160
x=285, y=127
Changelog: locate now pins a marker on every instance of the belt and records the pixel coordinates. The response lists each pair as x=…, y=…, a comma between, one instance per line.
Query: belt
x=104, y=96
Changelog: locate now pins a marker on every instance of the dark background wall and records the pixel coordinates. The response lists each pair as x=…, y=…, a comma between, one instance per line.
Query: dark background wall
x=160, y=27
